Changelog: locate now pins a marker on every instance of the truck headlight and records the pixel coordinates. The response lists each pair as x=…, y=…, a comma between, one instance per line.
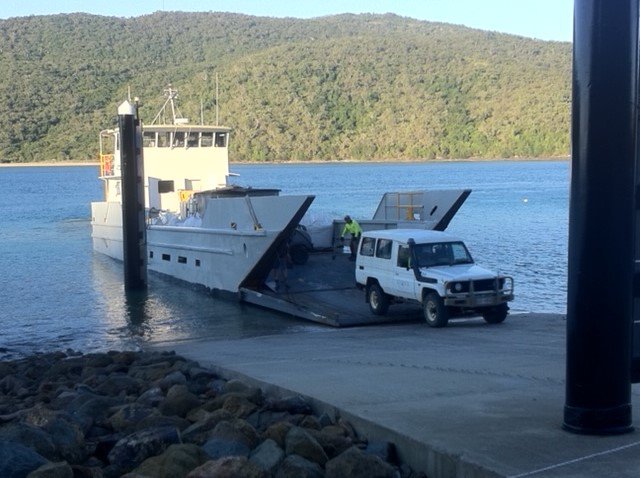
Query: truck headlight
x=456, y=287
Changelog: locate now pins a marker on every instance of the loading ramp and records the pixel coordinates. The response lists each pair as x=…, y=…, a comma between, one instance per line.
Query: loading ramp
x=324, y=290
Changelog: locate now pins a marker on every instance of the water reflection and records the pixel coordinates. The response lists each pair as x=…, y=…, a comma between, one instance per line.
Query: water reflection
x=137, y=310
x=171, y=310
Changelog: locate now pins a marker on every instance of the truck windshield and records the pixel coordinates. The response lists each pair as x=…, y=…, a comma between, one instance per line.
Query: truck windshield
x=442, y=254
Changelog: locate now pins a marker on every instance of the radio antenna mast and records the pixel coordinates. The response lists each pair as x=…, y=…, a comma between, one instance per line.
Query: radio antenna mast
x=217, y=117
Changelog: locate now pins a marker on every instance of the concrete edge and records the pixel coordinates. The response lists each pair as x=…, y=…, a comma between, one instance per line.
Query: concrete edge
x=419, y=456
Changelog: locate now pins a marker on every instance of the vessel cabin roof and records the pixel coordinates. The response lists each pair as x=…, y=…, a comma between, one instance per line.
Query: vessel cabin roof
x=174, y=127
x=184, y=127
x=420, y=236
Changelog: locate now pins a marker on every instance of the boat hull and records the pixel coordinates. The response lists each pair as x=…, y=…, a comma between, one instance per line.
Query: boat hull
x=106, y=228
x=234, y=248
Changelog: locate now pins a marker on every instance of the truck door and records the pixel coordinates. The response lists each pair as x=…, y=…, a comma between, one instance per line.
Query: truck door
x=404, y=278
x=383, y=265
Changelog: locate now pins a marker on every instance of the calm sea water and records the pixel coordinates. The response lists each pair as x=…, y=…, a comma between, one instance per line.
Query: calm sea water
x=55, y=293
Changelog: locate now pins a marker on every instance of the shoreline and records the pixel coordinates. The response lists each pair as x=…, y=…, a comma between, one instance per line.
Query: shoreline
x=49, y=164
x=161, y=414
x=297, y=162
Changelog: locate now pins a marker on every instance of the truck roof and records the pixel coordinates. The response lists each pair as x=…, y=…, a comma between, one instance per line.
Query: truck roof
x=420, y=236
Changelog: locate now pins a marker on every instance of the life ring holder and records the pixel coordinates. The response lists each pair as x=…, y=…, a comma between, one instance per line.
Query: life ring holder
x=185, y=194
x=106, y=164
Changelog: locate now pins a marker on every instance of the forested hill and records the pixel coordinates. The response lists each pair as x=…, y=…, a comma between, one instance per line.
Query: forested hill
x=341, y=87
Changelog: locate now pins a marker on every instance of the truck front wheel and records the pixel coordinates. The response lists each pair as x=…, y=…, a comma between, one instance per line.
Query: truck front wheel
x=496, y=315
x=378, y=300
x=434, y=310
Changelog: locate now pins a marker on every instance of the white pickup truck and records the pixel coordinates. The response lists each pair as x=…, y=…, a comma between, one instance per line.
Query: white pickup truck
x=432, y=268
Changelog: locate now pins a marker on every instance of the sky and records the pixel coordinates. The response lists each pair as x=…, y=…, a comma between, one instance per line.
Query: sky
x=542, y=19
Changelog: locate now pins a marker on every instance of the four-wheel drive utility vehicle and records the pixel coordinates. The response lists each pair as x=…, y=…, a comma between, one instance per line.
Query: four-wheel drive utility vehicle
x=432, y=268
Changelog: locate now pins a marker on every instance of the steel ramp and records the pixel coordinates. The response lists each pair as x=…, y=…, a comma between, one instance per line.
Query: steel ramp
x=324, y=290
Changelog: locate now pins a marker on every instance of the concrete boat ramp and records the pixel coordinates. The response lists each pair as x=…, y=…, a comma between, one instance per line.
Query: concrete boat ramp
x=324, y=290
x=468, y=400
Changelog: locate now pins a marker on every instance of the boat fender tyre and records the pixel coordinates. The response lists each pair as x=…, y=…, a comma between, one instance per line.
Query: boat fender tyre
x=496, y=315
x=378, y=300
x=434, y=310
x=299, y=254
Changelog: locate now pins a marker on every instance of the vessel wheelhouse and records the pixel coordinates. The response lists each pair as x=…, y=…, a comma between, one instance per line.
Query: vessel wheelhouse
x=180, y=158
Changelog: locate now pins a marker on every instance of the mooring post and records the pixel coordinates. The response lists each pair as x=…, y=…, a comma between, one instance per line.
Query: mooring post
x=133, y=221
x=601, y=217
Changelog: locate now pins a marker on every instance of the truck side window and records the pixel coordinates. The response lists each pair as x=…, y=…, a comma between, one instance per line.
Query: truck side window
x=368, y=245
x=403, y=257
x=384, y=249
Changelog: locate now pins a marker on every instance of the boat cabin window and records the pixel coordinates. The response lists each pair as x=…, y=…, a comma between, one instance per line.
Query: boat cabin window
x=164, y=140
x=192, y=140
x=165, y=187
x=178, y=139
x=206, y=141
x=221, y=140
x=149, y=139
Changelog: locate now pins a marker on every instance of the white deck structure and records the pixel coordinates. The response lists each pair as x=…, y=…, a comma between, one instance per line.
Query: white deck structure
x=210, y=238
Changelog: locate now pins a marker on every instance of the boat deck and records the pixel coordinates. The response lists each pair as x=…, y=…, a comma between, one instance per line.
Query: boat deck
x=324, y=290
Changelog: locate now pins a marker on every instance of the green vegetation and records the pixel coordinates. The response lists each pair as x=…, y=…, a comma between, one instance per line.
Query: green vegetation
x=361, y=87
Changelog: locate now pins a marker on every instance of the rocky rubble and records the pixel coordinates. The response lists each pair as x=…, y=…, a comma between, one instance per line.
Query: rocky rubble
x=151, y=414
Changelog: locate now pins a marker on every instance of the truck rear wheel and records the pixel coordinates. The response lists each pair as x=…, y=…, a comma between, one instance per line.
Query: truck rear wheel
x=434, y=310
x=378, y=300
x=496, y=315
x=299, y=254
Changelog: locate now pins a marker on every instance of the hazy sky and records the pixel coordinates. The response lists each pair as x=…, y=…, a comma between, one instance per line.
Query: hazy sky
x=544, y=19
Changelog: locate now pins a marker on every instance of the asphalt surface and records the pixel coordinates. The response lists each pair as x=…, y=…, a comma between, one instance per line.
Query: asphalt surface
x=468, y=400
